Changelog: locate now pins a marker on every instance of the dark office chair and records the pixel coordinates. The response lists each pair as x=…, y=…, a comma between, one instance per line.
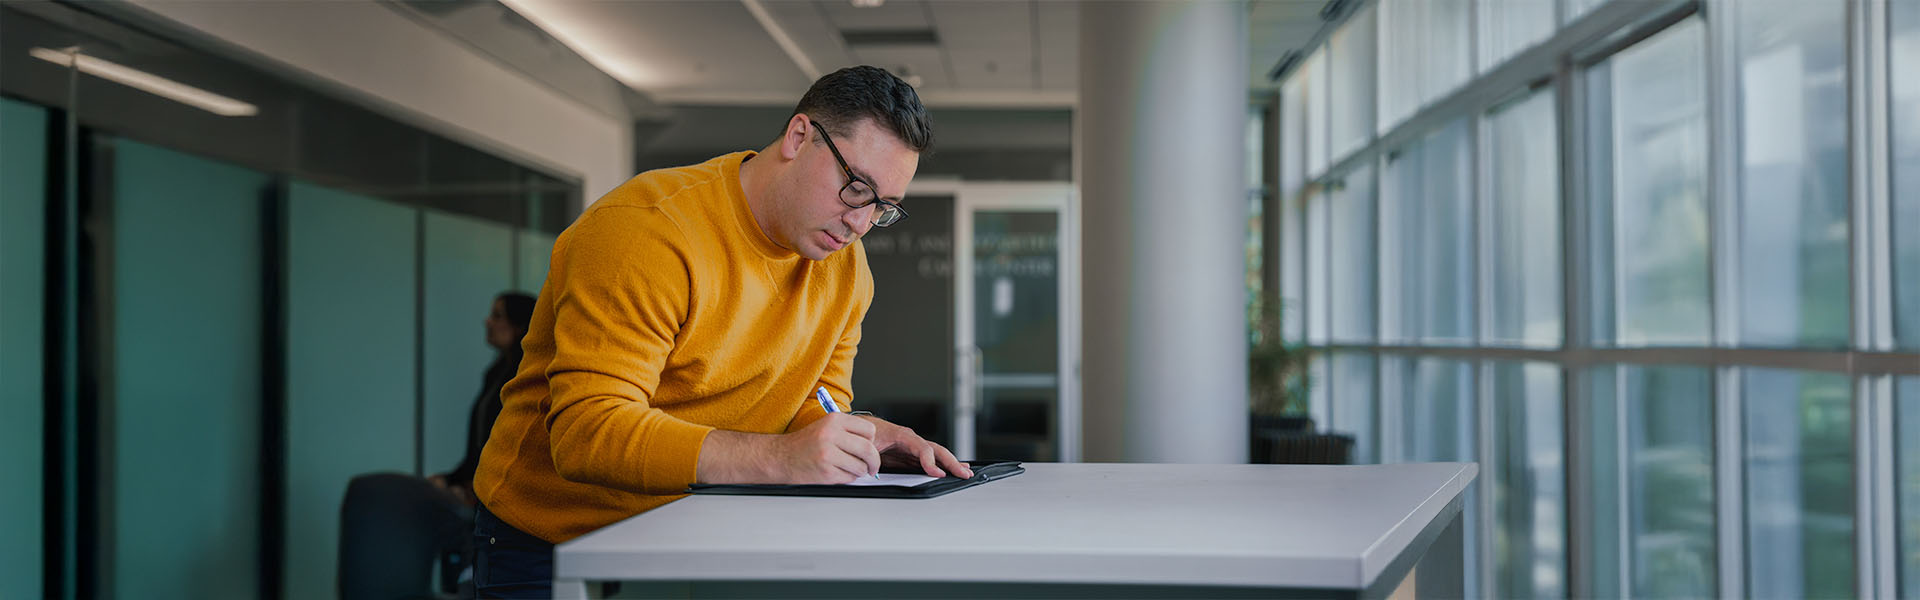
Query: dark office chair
x=394, y=530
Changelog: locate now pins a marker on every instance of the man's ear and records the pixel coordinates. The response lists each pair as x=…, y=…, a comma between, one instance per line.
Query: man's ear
x=795, y=136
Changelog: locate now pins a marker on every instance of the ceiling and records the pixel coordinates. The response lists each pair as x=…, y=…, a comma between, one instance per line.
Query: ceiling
x=961, y=53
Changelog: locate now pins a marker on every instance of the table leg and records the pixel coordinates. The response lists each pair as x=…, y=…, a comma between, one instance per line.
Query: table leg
x=1442, y=571
x=570, y=589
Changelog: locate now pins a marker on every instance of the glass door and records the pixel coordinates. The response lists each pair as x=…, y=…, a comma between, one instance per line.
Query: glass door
x=1013, y=341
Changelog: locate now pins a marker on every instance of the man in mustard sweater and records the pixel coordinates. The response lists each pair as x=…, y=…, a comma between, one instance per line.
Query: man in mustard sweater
x=686, y=320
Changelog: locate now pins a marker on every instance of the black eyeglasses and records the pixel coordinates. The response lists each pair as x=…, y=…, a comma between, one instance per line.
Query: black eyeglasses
x=857, y=193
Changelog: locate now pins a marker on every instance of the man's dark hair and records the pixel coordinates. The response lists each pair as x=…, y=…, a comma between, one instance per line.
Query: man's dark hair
x=843, y=97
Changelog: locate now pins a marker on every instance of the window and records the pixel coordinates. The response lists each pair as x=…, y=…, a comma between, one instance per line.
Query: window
x=1253, y=244
x=1509, y=26
x=1651, y=197
x=1292, y=168
x=1427, y=238
x=1449, y=59
x=1523, y=282
x=1649, y=437
x=1528, y=473
x=1435, y=406
x=1352, y=273
x=1904, y=43
x=1447, y=233
x=1293, y=135
x=1799, y=461
x=1436, y=411
x=1648, y=127
x=1402, y=42
x=1315, y=75
x=1401, y=212
x=1352, y=64
x=1793, y=273
x=1354, y=413
x=1907, y=478
x=1319, y=289
x=1320, y=397
x=1425, y=55
x=1293, y=323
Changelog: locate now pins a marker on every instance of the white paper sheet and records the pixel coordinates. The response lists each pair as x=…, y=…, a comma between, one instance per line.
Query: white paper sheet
x=898, y=479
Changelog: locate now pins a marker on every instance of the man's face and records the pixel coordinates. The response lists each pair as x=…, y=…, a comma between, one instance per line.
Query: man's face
x=817, y=222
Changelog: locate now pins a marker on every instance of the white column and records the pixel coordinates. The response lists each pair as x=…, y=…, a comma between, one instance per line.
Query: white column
x=1162, y=118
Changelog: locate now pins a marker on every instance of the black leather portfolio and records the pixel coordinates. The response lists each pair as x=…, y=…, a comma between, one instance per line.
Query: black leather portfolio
x=983, y=471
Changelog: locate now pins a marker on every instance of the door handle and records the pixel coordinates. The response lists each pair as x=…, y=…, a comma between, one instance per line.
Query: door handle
x=968, y=367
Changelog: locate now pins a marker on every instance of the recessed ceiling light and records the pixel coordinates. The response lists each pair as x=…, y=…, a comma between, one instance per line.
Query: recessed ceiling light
x=866, y=3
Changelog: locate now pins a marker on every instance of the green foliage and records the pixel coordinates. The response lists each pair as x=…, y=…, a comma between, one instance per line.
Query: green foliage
x=1277, y=371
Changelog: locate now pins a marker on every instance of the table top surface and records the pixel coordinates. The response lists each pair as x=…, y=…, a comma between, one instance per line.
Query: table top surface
x=1295, y=526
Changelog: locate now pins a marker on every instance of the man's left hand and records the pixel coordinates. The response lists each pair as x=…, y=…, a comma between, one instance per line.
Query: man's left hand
x=900, y=447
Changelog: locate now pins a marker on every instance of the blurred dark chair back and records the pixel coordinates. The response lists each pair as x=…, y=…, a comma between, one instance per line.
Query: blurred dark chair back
x=1303, y=448
x=395, y=529
x=1293, y=441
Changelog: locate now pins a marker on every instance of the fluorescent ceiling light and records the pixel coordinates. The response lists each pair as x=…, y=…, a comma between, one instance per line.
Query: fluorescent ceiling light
x=580, y=27
x=148, y=82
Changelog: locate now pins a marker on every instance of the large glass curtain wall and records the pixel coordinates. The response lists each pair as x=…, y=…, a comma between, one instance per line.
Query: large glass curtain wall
x=213, y=322
x=1653, y=265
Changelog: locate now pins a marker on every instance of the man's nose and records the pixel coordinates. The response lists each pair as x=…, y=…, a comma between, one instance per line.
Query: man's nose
x=860, y=220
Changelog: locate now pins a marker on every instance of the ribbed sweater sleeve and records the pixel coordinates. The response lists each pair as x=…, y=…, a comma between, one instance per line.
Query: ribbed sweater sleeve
x=618, y=309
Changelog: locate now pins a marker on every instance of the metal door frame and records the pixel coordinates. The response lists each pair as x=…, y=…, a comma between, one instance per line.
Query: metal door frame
x=969, y=198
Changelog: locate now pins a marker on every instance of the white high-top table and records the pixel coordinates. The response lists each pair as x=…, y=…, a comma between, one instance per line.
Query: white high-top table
x=1058, y=530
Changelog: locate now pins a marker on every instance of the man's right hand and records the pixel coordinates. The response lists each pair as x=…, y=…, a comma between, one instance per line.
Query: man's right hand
x=835, y=449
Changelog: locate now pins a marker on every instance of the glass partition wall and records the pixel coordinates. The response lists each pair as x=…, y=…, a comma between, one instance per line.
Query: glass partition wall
x=1651, y=264
x=266, y=294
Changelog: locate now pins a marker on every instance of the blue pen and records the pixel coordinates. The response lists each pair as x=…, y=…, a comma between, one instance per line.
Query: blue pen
x=826, y=404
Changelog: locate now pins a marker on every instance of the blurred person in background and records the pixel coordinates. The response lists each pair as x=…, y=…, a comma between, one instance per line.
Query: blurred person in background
x=506, y=324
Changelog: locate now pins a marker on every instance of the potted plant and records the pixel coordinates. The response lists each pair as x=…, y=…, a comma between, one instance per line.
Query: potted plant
x=1280, y=430
x=1277, y=374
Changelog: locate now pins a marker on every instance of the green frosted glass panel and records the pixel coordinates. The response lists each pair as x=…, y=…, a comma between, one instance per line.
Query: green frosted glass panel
x=468, y=263
x=350, y=365
x=184, y=417
x=536, y=254
x=23, y=205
